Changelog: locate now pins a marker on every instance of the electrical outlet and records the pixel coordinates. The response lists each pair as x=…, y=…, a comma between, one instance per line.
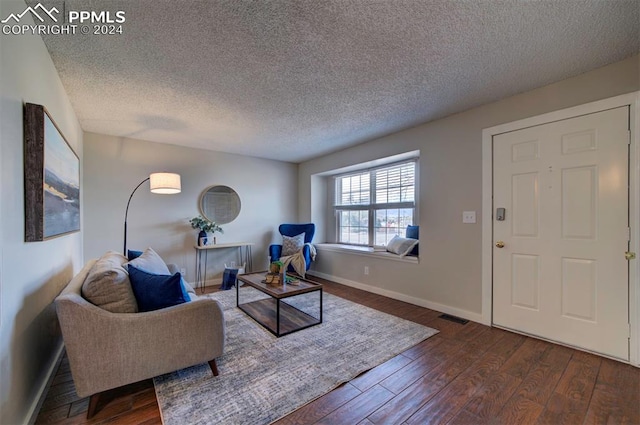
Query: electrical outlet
x=183, y=271
x=468, y=216
x=366, y=270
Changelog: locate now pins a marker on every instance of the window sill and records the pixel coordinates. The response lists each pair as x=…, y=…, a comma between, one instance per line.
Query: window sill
x=365, y=252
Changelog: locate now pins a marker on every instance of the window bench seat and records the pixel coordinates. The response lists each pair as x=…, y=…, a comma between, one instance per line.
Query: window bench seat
x=365, y=251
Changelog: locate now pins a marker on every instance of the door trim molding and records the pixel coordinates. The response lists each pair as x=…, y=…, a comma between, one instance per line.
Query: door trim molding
x=633, y=101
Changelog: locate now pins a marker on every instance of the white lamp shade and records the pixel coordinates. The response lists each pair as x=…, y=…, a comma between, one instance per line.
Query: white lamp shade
x=165, y=183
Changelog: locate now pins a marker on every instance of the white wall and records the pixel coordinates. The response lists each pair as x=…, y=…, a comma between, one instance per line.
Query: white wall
x=114, y=166
x=448, y=276
x=32, y=274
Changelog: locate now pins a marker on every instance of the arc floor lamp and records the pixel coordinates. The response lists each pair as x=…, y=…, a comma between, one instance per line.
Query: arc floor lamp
x=161, y=183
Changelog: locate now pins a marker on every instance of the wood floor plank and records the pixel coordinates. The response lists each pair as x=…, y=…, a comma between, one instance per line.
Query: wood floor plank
x=75, y=420
x=447, y=329
x=62, y=377
x=561, y=410
x=519, y=410
x=423, y=348
x=400, y=380
x=448, y=402
x=378, y=373
x=614, y=373
x=579, y=378
x=493, y=395
x=616, y=396
x=109, y=407
x=322, y=406
x=613, y=405
x=79, y=407
x=64, y=393
x=148, y=414
x=443, y=406
x=470, y=331
x=464, y=417
x=53, y=415
x=152, y=421
x=359, y=408
x=411, y=399
x=144, y=398
x=490, y=337
x=542, y=379
x=503, y=347
x=525, y=358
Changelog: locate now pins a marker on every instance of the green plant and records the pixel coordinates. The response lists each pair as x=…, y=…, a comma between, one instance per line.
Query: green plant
x=205, y=225
x=275, y=266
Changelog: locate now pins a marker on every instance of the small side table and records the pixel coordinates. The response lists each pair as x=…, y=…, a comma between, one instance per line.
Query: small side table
x=244, y=255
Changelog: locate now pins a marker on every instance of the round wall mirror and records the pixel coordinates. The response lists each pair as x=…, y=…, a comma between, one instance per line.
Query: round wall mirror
x=220, y=204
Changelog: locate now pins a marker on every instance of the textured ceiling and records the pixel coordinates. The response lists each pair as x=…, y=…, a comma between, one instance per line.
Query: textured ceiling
x=292, y=80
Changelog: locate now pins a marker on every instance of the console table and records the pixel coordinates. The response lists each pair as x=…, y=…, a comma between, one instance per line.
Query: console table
x=244, y=255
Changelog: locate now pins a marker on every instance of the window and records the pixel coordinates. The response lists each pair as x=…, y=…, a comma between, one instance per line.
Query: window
x=374, y=205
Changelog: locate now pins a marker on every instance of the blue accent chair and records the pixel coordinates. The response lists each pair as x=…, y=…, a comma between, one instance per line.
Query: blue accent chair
x=275, y=250
x=413, y=232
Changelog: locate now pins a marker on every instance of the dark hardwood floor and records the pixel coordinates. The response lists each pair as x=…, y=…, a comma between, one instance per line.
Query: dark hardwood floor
x=466, y=374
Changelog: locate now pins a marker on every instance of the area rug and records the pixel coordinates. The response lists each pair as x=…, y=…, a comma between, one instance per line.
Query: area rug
x=263, y=378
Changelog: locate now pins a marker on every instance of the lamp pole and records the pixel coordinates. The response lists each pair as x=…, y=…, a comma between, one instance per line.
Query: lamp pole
x=127, y=212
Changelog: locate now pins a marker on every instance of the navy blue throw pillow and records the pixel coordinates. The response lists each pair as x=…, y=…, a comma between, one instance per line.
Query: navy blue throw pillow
x=132, y=255
x=156, y=291
x=413, y=232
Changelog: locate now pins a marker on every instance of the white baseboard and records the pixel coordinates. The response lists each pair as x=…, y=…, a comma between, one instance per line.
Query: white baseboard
x=469, y=315
x=41, y=394
x=208, y=282
x=211, y=282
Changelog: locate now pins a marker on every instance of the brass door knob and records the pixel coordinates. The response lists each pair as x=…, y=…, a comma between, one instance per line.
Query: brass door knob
x=500, y=244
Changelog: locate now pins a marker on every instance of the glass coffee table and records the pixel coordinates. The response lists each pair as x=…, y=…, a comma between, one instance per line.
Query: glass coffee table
x=278, y=317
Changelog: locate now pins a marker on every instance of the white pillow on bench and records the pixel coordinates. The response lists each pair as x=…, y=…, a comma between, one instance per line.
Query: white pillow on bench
x=401, y=246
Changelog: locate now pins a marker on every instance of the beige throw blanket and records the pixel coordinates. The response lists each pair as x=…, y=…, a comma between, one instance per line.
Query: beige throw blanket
x=297, y=260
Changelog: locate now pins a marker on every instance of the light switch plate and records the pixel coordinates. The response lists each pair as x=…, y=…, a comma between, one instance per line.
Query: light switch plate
x=468, y=216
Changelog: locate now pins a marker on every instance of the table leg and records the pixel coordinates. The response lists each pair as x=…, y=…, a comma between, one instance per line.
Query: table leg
x=204, y=279
x=320, y=305
x=198, y=274
x=278, y=317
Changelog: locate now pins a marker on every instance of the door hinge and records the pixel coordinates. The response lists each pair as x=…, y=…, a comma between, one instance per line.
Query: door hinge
x=630, y=255
x=629, y=330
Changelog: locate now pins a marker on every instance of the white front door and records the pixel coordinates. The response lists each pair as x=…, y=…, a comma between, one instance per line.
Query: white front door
x=561, y=273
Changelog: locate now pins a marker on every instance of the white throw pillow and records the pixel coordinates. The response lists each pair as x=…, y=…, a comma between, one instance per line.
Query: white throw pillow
x=401, y=246
x=150, y=262
x=292, y=244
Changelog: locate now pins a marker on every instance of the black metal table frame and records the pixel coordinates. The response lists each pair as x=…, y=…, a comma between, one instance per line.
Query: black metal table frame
x=201, y=267
x=278, y=299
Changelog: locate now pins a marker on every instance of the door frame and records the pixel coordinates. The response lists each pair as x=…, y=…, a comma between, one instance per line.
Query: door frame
x=633, y=101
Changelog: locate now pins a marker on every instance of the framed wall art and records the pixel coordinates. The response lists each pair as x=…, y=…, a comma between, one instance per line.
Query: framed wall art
x=51, y=178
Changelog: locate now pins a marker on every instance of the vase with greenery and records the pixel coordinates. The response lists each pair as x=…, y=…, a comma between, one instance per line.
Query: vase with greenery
x=205, y=226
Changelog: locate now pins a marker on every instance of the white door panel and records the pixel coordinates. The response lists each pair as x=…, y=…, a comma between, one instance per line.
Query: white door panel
x=562, y=274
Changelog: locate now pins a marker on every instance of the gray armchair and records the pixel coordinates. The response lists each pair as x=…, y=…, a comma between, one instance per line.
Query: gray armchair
x=108, y=350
